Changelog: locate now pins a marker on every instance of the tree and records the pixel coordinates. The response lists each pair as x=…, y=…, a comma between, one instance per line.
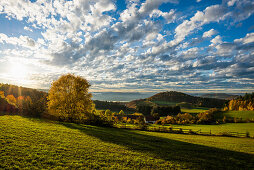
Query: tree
x=108, y=114
x=121, y=113
x=2, y=94
x=11, y=98
x=69, y=100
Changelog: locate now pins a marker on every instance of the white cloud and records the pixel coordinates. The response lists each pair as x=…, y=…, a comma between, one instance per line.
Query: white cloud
x=213, y=13
x=137, y=49
x=209, y=33
x=169, y=16
x=249, y=38
x=23, y=41
x=231, y=2
x=216, y=40
x=191, y=53
x=149, y=5
x=28, y=29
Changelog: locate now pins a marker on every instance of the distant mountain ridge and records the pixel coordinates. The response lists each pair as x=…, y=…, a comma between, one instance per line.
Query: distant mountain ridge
x=179, y=97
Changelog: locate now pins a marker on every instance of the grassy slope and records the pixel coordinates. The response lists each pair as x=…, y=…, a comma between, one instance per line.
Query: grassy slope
x=216, y=129
x=33, y=143
x=194, y=110
x=239, y=114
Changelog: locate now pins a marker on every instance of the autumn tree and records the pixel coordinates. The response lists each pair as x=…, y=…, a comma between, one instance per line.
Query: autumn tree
x=108, y=114
x=11, y=98
x=69, y=100
x=2, y=94
x=121, y=113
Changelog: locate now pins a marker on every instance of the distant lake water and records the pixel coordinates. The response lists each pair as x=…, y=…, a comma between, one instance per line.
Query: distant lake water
x=120, y=96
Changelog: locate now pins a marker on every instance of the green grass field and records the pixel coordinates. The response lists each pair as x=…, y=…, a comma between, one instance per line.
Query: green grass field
x=217, y=129
x=194, y=110
x=40, y=144
x=239, y=114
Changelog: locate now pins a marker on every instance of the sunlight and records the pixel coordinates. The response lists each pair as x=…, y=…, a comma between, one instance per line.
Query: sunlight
x=19, y=72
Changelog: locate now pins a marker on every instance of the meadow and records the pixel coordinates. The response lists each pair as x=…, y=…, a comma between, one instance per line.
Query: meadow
x=194, y=110
x=43, y=144
x=239, y=114
x=221, y=128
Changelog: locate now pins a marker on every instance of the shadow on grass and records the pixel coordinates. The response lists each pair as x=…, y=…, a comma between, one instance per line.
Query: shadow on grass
x=190, y=155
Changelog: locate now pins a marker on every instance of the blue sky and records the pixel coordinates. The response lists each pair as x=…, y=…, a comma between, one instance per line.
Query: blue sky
x=130, y=46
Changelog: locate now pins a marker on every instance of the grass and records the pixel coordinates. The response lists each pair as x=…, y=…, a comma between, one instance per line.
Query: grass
x=27, y=143
x=239, y=114
x=217, y=129
x=194, y=110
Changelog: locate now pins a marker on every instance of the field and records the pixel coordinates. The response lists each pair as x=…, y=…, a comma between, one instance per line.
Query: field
x=40, y=144
x=239, y=114
x=184, y=110
x=217, y=129
x=194, y=110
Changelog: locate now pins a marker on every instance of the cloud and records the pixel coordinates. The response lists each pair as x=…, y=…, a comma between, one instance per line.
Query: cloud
x=216, y=40
x=209, y=33
x=168, y=16
x=28, y=29
x=231, y=2
x=249, y=38
x=213, y=13
x=23, y=41
x=141, y=47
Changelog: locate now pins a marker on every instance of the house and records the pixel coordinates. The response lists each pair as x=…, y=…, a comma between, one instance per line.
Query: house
x=150, y=119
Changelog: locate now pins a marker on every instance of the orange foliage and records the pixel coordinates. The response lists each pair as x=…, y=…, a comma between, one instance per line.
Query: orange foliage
x=11, y=99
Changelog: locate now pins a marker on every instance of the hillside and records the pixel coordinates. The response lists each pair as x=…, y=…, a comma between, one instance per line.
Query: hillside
x=174, y=98
x=17, y=91
x=224, y=96
x=27, y=143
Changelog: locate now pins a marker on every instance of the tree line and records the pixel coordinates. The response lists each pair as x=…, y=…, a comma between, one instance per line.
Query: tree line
x=241, y=103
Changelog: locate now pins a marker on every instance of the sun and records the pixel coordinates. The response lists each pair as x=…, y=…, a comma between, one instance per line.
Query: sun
x=18, y=72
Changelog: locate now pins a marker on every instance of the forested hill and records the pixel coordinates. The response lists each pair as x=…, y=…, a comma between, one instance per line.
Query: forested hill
x=171, y=96
x=178, y=97
x=17, y=91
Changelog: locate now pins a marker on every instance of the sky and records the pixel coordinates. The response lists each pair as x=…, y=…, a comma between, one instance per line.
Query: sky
x=129, y=46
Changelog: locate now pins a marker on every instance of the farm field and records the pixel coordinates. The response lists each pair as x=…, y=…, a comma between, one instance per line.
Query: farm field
x=40, y=144
x=217, y=129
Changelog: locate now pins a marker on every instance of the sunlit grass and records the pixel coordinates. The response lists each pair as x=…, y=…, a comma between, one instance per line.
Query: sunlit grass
x=194, y=110
x=218, y=129
x=39, y=144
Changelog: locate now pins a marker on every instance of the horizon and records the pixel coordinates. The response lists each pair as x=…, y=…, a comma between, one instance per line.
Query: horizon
x=155, y=92
x=130, y=46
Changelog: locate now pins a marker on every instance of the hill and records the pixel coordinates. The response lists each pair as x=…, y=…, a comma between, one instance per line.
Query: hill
x=28, y=143
x=224, y=96
x=174, y=98
x=17, y=91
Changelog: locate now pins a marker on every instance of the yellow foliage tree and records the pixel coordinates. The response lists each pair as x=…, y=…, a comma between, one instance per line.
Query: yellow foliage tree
x=11, y=99
x=1, y=94
x=68, y=98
